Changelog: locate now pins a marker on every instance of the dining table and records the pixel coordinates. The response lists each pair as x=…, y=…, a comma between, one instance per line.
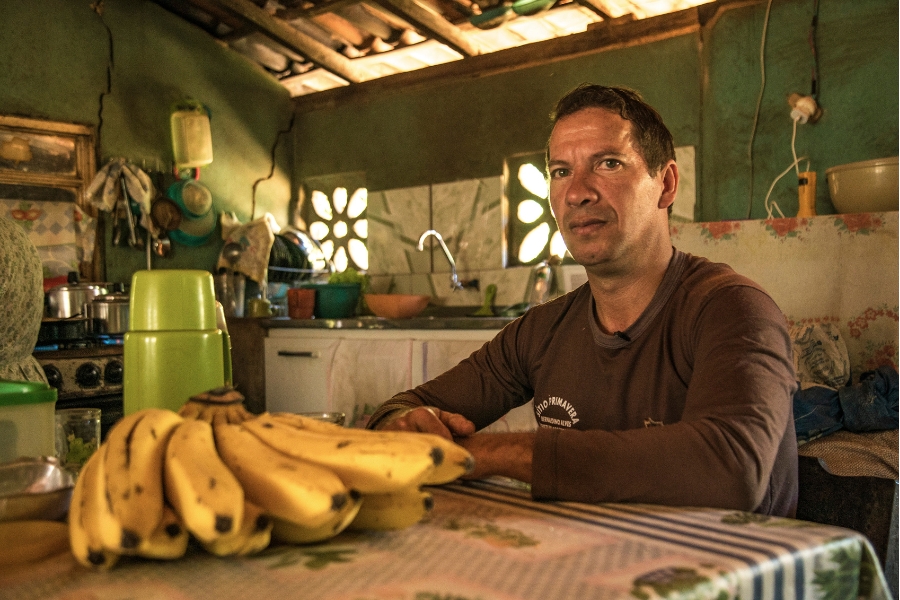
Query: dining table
x=489, y=540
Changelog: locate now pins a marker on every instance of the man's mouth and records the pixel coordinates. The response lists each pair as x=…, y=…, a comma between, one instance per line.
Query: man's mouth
x=586, y=225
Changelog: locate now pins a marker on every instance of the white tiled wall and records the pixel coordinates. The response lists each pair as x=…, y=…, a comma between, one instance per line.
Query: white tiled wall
x=468, y=214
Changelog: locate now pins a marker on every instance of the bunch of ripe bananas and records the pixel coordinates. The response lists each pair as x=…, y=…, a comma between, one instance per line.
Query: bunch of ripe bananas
x=235, y=482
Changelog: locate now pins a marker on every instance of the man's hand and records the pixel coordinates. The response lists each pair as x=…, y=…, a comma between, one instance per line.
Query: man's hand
x=428, y=419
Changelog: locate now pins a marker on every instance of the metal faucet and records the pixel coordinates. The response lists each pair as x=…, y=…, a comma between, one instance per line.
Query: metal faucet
x=455, y=283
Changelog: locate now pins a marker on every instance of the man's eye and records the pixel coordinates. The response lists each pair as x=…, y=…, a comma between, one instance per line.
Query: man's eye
x=610, y=163
x=557, y=173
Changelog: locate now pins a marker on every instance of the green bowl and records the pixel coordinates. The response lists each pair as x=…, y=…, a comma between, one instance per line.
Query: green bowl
x=335, y=300
x=172, y=300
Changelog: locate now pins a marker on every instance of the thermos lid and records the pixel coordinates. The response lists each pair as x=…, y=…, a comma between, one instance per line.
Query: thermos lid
x=25, y=392
x=172, y=300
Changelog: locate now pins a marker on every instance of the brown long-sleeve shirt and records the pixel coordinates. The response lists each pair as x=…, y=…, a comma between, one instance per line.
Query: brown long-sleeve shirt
x=691, y=406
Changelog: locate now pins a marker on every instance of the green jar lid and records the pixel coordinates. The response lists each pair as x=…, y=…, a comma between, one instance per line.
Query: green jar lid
x=25, y=392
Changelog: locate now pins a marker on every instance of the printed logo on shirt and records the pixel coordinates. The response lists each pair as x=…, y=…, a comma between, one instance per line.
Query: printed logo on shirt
x=556, y=412
x=649, y=422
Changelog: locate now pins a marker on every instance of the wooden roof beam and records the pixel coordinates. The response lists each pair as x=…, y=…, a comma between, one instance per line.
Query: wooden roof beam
x=279, y=31
x=598, y=7
x=432, y=24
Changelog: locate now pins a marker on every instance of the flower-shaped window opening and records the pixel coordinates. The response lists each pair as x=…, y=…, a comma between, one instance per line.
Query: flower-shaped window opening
x=532, y=234
x=339, y=224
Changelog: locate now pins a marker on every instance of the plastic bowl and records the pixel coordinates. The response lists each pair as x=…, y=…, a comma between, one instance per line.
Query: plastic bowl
x=335, y=300
x=397, y=306
x=172, y=300
x=867, y=186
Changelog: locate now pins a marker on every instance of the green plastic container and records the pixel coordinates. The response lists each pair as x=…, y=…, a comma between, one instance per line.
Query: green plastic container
x=27, y=419
x=335, y=300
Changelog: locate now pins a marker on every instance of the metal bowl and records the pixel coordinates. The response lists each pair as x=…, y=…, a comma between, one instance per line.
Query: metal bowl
x=34, y=488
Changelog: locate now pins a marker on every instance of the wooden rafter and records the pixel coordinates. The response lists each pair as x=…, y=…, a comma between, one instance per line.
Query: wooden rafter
x=430, y=23
x=290, y=38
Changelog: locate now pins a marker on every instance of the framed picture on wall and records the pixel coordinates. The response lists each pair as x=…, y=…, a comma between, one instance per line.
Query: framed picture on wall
x=45, y=168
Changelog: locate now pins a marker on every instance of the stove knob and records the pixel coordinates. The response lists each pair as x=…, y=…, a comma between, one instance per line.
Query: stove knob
x=88, y=375
x=113, y=372
x=54, y=376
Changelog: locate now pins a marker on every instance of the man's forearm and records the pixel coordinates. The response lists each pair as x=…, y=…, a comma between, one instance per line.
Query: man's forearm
x=505, y=454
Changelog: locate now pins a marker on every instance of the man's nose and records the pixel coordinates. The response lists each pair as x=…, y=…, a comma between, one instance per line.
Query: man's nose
x=580, y=191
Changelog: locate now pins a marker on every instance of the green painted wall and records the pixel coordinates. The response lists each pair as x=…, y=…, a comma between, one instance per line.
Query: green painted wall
x=464, y=130
x=858, y=90
x=705, y=85
x=55, y=67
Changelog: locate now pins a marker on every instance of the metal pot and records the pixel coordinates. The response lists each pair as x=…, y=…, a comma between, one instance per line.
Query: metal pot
x=108, y=314
x=69, y=300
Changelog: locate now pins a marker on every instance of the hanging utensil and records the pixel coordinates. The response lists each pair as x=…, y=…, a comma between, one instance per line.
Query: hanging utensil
x=133, y=240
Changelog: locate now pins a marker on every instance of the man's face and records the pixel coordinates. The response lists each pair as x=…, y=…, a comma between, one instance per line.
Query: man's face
x=607, y=205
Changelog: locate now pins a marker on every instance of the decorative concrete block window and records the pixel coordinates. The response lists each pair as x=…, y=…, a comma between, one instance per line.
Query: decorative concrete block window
x=334, y=208
x=531, y=232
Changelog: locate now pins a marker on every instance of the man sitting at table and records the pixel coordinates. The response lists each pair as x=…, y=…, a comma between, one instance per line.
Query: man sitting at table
x=665, y=379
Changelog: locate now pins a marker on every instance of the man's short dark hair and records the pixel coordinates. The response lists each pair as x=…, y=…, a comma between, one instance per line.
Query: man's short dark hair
x=653, y=139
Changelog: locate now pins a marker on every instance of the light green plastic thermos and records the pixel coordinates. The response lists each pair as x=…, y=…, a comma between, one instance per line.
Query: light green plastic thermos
x=174, y=348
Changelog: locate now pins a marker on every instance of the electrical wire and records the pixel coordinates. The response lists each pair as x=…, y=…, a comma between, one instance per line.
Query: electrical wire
x=813, y=45
x=794, y=147
x=762, y=88
x=772, y=187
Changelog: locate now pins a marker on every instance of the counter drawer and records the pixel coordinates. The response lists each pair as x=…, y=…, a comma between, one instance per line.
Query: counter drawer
x=297, y=374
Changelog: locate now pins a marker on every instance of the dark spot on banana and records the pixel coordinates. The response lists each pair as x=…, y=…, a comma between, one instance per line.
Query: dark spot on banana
x=428, y=502
x=130, y=540
x=343, y=444
x=224, y=523
x=437, y=455
x=173, y=530
x=354, y=495
x=262, y=521
x=138, y=489
x=338, y=501
x=212, y=483
x=268, y=425
x=96, y=558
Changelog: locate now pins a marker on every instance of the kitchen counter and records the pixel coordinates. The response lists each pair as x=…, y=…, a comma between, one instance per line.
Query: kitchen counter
x=489, y=540
x=376, y=323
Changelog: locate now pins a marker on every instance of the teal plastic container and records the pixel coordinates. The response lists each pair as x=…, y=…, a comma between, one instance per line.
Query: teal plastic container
x=27, y=419
x=335, y=300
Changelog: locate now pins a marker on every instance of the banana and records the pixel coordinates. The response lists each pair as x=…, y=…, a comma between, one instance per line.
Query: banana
x=168, y=541
x=33, y=540
x=199, y=485
x=292, y=533
x=382, y=512
x=253, y=535
x=285, y=487
x=457, y=460
x=369, y=464
x=451, y=462
x=134, y=473
x=86, y=514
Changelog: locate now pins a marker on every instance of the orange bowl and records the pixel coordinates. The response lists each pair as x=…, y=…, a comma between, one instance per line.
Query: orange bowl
x=396, y=306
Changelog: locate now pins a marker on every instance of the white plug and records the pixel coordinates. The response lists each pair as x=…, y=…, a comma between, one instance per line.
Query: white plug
x=804, y=108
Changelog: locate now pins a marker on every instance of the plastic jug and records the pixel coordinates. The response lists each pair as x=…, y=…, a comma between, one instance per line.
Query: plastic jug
x=27, y=419
x=174, y=348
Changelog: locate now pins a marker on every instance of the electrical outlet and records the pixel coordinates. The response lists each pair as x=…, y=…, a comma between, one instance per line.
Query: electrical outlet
x=804, y=109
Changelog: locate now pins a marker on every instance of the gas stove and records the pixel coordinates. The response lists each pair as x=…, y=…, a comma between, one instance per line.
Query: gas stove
x=86, y=374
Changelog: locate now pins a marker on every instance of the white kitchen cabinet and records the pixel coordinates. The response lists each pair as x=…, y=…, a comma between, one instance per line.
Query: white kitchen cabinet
x=297, y=370
x=354, y=371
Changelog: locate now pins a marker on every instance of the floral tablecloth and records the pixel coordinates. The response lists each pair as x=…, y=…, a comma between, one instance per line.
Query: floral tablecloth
x=485, y=541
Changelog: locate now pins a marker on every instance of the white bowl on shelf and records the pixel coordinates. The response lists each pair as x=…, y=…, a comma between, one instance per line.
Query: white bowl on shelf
x=867, y=186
